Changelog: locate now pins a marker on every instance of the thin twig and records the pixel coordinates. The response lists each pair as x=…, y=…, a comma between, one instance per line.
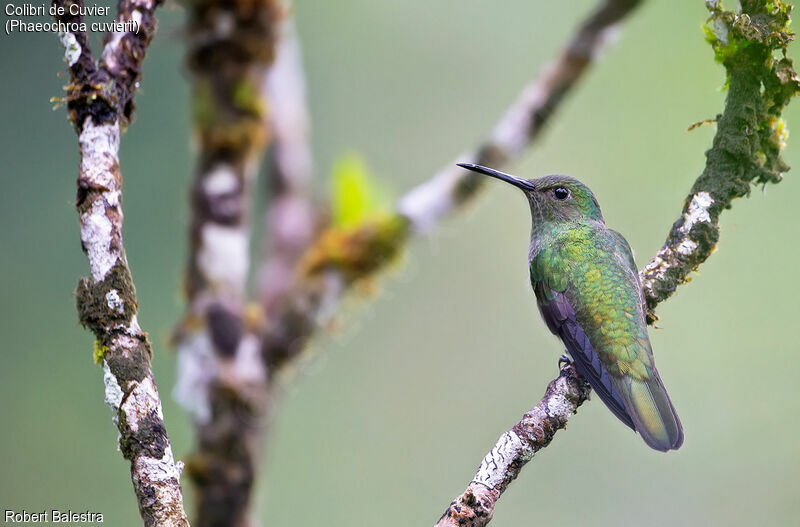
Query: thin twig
x=292, y=215
x=522, y=123
x=100, y=102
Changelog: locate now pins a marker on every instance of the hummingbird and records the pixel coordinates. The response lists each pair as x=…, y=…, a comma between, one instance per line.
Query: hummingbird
x=589, y=294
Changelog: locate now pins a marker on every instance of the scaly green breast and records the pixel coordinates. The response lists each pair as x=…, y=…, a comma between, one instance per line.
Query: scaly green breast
x=593, y=267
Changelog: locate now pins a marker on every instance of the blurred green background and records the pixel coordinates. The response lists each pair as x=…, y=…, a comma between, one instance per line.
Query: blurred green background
x=390, y=419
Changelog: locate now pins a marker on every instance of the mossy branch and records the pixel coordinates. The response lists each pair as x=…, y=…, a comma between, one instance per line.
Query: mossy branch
x=751, y=134
x=100, y=105
x=104, y=90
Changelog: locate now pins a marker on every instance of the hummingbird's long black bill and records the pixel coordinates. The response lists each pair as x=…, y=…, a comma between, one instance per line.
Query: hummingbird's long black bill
x=524, y=184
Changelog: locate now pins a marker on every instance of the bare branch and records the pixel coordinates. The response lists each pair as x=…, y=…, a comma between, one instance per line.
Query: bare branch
x=100, y=102
x=475, y=507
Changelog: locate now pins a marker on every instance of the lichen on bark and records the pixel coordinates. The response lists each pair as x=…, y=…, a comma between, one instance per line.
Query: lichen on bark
x=100, y=104
x=746, y=150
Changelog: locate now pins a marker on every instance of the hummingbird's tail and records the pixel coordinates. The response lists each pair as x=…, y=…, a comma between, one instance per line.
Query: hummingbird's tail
x=654, y=417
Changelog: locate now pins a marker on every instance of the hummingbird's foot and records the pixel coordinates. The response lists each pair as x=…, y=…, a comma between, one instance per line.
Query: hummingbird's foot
x=565, y=360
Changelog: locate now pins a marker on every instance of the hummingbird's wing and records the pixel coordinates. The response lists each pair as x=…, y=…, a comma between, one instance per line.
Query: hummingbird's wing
x=560, y=318
x=589, y=294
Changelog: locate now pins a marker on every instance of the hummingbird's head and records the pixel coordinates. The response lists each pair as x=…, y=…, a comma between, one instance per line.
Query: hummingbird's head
x=552, y=198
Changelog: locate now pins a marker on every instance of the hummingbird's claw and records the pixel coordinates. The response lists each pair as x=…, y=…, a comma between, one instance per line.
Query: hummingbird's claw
x=564, y=360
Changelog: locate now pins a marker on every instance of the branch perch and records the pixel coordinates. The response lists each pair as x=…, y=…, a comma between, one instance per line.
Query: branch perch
x=475, y=507
x=100, y=104
x=746, y=149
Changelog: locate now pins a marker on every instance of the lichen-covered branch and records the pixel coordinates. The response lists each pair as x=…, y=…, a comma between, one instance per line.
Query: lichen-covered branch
x=475, y=507
x=100, y=103
x=342, y=256
x=222, y=378
x=751, y=44
x=104, y=91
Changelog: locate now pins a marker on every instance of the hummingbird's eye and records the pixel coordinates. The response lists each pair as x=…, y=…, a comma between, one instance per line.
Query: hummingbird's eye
x=560, y=193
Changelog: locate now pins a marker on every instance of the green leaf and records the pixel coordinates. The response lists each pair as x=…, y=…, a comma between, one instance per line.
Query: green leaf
x=356, y=195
